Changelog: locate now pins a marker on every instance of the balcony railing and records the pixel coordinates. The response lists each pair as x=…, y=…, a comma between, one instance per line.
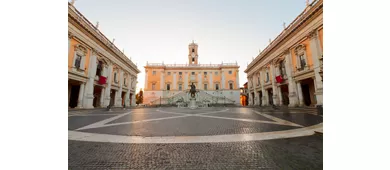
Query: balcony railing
x=303, y=69
x=191, y=65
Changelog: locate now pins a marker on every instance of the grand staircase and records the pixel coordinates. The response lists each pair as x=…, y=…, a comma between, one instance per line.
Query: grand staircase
x=201, y=97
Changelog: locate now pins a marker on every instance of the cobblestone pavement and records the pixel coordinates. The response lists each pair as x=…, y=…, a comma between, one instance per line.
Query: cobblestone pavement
x=303, y=152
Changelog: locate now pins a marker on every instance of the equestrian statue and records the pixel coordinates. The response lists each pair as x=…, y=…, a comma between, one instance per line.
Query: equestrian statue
x=193, y=90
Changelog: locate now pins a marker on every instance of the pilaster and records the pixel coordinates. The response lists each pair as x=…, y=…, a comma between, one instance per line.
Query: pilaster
x=274, y=89
x=81, y=95
x=292, y=89
x=108, y=88
x=88, y=98
x=316, y=55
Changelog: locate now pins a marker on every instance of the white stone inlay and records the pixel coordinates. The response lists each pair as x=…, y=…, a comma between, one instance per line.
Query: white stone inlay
x=93, y=137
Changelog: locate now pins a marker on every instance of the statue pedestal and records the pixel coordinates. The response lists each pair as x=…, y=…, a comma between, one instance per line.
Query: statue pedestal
x=192, y=104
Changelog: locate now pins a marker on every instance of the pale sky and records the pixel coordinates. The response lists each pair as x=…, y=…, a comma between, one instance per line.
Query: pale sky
x=160, y=30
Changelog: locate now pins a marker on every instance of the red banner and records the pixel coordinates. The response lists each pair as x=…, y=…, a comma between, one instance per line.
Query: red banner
x=102, y=80
x=279, y=79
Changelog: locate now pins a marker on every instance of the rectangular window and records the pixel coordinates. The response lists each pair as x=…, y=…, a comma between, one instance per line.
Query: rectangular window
x=153, y=86
x=216, y=73
x=231, y=86
x=302, y=61
x=230, y=72
x=216, y=86
x=193, y=73
x=205, y=86
x=168, y=87
x=267, y=80
x=180, y=73
x=154, y=73
x=180, y=87
x=169, y=73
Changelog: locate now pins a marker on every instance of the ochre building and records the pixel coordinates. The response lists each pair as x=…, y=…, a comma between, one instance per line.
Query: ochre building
x=99, y=74
x=289, y=70
x=219, y=83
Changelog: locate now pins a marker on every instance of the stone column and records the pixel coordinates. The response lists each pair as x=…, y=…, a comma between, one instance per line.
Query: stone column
x=133, y=99
x=81, y=95
x=223, y=80
x=300, y=95
x=118, y=95
x=292, y=89
x=88, y=98
x=316, y=55
x=280, y=96
x=174, y=81
x=185, y=81
x=211, y=86
x=162, y=80
x=127, y=98
x=250, y=99
x=108, y=88
x=266, y=98
x=69, y=92
x=102, y=98
x=146, y=81
x=256, y=97
x=238, y=79
x=274, y=89
x=264, y=102
x=200, y=80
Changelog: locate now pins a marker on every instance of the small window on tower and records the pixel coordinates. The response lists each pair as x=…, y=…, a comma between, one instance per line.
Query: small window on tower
x=193, y=59
x=193, y=50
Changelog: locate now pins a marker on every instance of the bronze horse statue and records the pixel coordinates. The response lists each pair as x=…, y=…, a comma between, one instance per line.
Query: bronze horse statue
x=193, y=90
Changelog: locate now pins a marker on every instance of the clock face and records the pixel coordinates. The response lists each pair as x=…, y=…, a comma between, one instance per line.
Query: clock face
x=193, y=54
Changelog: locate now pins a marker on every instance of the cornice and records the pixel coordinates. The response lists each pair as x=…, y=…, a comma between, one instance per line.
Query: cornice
x=88, y=27
x=306, y=14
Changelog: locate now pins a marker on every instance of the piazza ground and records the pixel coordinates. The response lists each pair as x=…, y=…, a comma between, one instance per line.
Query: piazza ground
x=207, y=138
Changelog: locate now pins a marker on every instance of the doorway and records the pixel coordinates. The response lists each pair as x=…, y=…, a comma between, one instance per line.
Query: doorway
x=260, y=98
x=270, y=99
x=285, y=98
x=112, y=97
x=306, y=94
x=123, y=98
x=74, y=95
x=97, y=91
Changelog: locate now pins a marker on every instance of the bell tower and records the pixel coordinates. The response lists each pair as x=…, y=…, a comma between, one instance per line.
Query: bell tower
x=193, y=53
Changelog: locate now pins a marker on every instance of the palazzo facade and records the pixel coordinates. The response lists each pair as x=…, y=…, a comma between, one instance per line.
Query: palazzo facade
x=289, y=70
x=214, y=80
x=99, y=74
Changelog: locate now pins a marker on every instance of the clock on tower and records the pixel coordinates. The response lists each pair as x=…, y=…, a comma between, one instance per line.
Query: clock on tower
x=193, y=53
